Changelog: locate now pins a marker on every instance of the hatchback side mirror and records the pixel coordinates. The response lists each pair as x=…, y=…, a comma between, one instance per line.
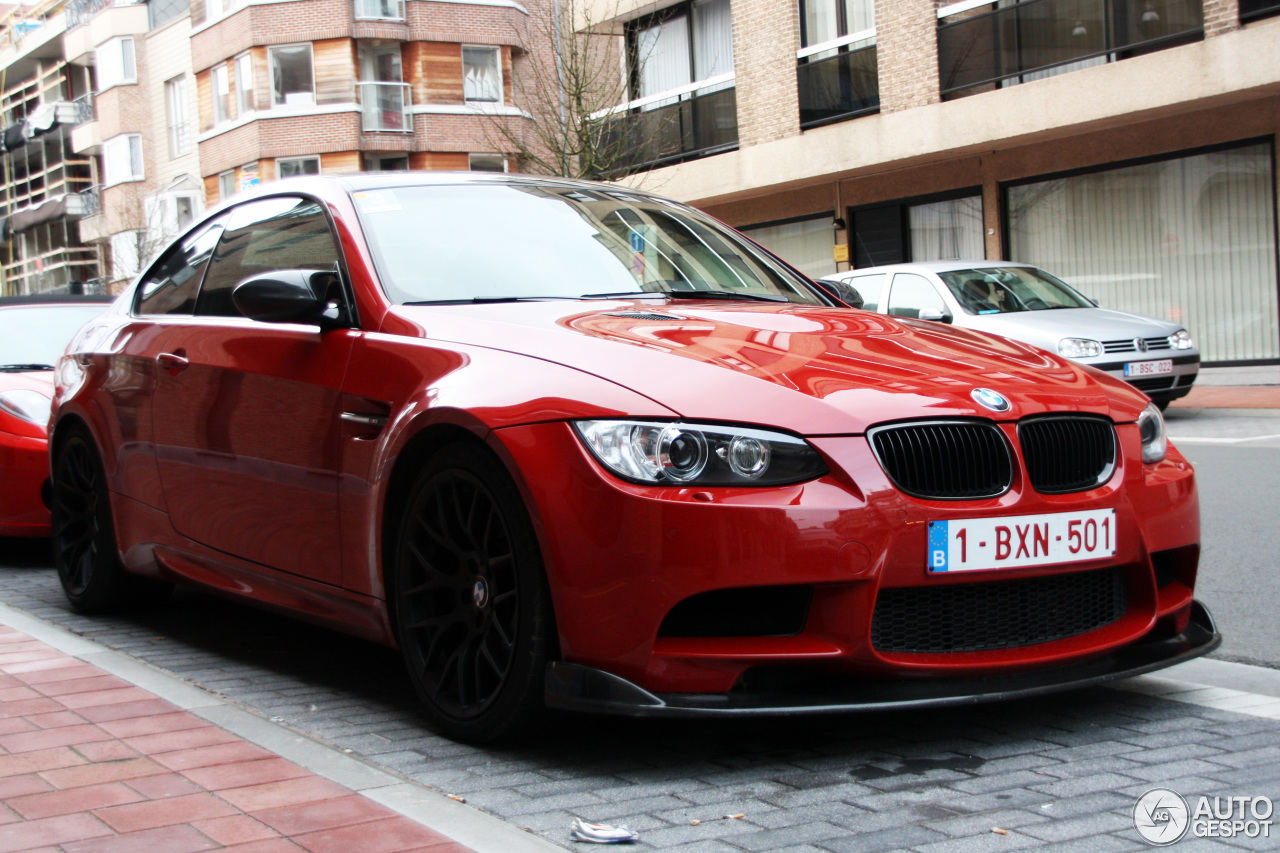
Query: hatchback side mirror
x=843, y=291
x=936, y=315
x=288, y=296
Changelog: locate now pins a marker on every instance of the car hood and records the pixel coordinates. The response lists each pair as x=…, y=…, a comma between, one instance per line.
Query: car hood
x=1046, y=328
x=815, y=371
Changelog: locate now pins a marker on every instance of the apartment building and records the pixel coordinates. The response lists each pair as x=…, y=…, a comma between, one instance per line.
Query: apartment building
x=1128, y=146
x=290, y=87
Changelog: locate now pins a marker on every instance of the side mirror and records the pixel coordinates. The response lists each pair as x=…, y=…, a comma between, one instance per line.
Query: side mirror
x=1095, y=302
x=842, y=291
x=288, y=296
x=936, y=315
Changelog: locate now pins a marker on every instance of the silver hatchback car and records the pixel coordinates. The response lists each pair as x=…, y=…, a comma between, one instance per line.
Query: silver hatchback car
x=1024, y=302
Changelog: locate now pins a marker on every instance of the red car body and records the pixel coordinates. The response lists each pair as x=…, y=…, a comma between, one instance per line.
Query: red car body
x=24, y=446
x=271, y=462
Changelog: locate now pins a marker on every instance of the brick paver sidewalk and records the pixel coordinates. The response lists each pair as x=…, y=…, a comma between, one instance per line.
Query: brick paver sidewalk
x=89, y=763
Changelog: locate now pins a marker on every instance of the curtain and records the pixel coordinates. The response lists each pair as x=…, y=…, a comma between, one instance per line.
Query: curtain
x=712, y=39
x=663, y=55
x=947, y=230
x=806, y=245
x=820, y=22
x=860, y=15
x=1191, y=240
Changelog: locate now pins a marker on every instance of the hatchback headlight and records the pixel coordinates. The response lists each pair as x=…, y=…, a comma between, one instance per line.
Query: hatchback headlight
x=1181, y=339
x=1079, y=348
x=1155, y=443
x=26, y=404
x=667, y=453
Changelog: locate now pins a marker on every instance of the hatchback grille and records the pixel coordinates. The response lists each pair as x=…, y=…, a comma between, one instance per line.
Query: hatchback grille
x=1159, y=383
x=1067, y=454
x=945, y=460
x=979, y=617
x=1130, y=345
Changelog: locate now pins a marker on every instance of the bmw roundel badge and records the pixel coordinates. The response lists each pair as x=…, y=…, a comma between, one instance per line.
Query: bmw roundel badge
x=993, y=400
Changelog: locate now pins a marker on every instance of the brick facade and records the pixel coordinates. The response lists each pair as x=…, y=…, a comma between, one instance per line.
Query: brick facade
x=1221, y=16
x=907, y=51
x=765, y=68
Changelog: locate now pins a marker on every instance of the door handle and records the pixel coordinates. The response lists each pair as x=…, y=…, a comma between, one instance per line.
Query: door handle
x=172, y=361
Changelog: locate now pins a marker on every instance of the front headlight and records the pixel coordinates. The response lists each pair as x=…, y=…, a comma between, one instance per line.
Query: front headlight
x=1079, y=348
x=26, y=404
x=1155, y=443
x=667, y=453
x=1181, y=339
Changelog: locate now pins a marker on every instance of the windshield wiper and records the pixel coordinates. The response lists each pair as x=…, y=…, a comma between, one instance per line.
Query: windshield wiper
x=690, y=294
x=485, y=300
x=24, y=368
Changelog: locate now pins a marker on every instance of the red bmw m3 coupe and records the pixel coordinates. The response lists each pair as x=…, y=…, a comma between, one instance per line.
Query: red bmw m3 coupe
x=573, y=445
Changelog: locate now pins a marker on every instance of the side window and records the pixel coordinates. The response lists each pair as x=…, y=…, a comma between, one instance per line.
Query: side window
x=171, y=284
x=869, y=288
x=911, y=294
x=272, y=234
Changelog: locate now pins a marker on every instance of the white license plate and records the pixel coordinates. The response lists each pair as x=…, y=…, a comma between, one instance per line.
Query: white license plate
x=1149, y=368
x=974, y=544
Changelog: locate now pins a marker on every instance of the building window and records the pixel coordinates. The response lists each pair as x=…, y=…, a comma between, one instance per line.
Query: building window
x=292, y=83
x=244, y=84
x=482, y=75
x=221, y=95
x=383, y=163
x=177, y=116
x=122, y=159
x=115, y=64
x=823, y=21
x=680, y=46
x=914, y=230
x=294, y=166
x=486, y=162
x=805, y=244
x=227, y=184
x=168, y=214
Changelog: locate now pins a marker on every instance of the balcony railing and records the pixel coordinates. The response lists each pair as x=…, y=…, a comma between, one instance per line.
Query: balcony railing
x=838, y=87
x=385, y=106
x=990, y=47
x=379, y=10
x=692, y=124
x=1253, y=9
x=80, y=11
x=91, y=201
x=83, y=109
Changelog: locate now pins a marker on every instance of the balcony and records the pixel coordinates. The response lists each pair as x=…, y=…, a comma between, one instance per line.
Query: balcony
x=91, y=201
x=838, y=87
x=988, y=48
x=80, y=11
x=1251, y=10
x=385, y=107
x=680, y=125
x=379, y=10
x=83, y=108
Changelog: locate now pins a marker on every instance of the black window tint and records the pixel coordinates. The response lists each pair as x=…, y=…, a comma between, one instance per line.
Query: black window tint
x=170, y=287
x=271, y=234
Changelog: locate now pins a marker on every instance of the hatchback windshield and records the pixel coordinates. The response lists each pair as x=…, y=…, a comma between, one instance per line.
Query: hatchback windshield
x=510, y=241
x=1000, y=290
x=33, y=336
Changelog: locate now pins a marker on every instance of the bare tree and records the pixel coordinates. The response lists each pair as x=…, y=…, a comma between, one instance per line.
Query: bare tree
x=570, y=82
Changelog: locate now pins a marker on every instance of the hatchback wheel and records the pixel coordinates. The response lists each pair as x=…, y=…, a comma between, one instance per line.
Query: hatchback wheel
x=84, y=541
x=472, y=607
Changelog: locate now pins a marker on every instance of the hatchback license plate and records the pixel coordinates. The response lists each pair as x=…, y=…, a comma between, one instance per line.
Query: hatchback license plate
x=1011, y=542
x=1149, y=368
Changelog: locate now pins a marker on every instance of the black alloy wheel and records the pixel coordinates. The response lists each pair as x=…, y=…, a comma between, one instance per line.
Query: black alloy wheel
x=471, y=602
x=84, y=542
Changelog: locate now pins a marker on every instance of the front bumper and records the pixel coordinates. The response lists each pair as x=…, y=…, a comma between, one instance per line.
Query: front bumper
x=1163, y=387
x=575, y=687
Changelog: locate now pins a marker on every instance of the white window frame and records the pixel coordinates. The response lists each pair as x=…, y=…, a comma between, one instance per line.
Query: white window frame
x=496, y=51
x=121, y=65
x=243, y=63
x=271, y=73
x=224, y=179
x=220, y=84
x=471, y=159
x=178, y=115
x=131, y=146
x=312, y=157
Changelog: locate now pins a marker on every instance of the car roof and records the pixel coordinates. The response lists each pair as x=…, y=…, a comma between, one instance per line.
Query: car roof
x=360, y=181
x=934, y=266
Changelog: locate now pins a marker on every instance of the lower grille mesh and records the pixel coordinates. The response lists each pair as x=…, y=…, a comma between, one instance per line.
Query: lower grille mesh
x=997, y=615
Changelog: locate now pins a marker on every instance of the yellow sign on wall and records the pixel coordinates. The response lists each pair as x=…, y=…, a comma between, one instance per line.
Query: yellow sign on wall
x=841, y=252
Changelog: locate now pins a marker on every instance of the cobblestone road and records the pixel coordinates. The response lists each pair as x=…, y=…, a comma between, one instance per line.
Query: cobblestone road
x=1059, y=774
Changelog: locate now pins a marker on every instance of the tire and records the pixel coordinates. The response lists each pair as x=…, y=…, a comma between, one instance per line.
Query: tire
x=84, y=539
x=472, y=608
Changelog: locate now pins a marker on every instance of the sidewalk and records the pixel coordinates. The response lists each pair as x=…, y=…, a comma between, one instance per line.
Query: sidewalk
x=91, y=762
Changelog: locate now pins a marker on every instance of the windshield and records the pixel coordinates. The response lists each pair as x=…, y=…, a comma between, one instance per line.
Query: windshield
x=33, y=336
x=513, y=241
x=1001, y=290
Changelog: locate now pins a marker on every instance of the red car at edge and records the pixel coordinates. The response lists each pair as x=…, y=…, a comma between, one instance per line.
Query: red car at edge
x=573, y=445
